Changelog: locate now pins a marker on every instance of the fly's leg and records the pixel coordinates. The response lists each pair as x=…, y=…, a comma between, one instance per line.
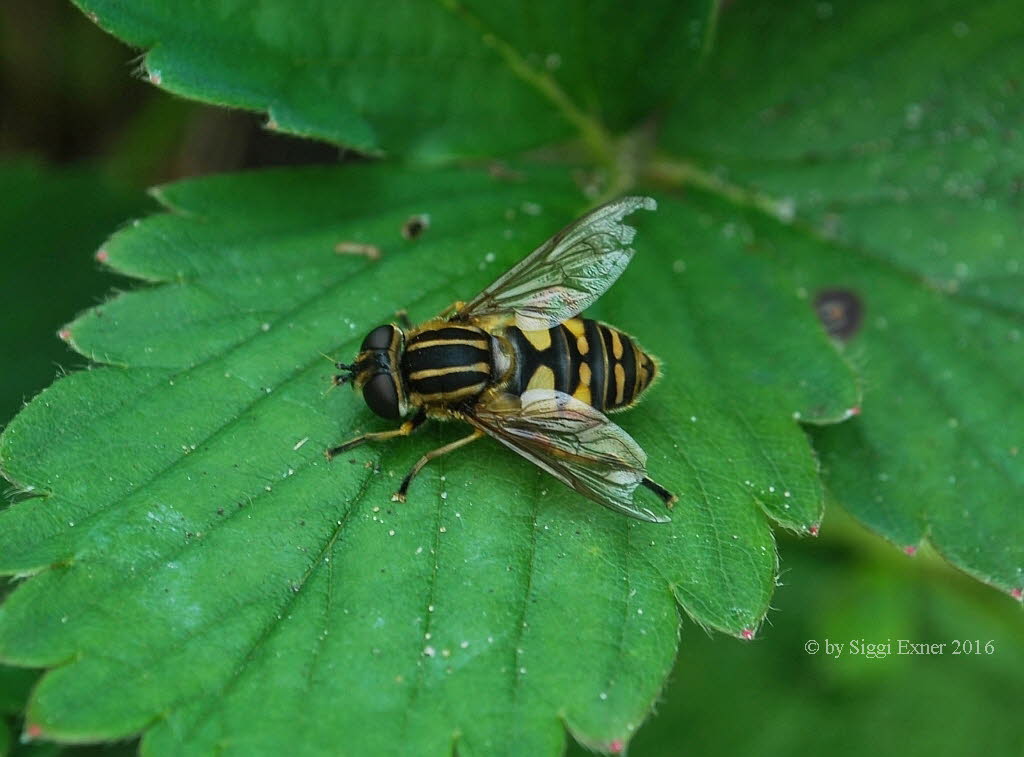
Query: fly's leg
x=668, y=497
x=380, y=436
x=402, y=316
x=399, y=496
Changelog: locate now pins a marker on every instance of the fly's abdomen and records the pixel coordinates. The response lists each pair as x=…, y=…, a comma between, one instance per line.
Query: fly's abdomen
x=447, y=365
x=594, y=362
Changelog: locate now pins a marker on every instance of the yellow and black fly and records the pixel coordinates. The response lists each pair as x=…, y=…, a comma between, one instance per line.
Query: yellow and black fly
x=517, y=364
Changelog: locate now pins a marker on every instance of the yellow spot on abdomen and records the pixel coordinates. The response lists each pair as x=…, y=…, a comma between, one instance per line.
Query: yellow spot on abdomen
x=584, y=374
x=576, y=327
x=620, y=382
x=540, y=340
x=542, y=378
x=616, y=344
x=646, y=372
x=582, y=392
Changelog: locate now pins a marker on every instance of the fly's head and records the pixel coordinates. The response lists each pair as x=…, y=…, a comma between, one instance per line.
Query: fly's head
x=375, y=372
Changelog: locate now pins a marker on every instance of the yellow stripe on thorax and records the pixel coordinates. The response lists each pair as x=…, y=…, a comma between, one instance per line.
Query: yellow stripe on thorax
x=481, y=343
x=431, y=372
x=450, y=397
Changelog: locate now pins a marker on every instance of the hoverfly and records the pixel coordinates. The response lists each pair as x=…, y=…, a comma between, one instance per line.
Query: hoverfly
x=518, y=364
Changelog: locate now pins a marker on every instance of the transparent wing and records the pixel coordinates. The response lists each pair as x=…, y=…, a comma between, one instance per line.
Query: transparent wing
x=566, y=274
x=573, y=442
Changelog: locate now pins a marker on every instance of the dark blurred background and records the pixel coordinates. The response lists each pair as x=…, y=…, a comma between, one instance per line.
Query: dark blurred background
x=82, y=137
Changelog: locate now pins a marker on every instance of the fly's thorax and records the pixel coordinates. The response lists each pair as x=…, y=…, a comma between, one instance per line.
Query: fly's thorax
x=446, y=363
x=591, y=361
x=375, y=372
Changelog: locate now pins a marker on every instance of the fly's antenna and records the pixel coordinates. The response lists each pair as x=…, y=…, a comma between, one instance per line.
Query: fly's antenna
x=341, y=378
x=347, y=376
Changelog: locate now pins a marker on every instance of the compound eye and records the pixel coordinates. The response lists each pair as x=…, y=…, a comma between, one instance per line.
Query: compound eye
x=381, y=396
x=379, y=338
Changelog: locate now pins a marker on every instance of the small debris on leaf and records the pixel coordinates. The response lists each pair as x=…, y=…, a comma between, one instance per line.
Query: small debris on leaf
x=370, y=251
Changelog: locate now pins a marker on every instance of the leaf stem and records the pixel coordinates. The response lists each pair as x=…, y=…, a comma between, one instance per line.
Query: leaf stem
x=595, y=136
x=676, y=173
x=710, y=30
x=680, y=173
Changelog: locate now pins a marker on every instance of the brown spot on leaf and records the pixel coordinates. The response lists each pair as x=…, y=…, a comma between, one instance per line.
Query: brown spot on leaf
x=415, y=226
x=840, y=311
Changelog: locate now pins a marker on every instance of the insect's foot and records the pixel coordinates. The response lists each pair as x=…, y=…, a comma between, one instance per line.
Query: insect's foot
x=398, y=497
x=329, y=454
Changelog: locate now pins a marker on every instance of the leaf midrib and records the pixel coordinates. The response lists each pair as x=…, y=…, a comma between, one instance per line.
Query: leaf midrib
x=230, y=423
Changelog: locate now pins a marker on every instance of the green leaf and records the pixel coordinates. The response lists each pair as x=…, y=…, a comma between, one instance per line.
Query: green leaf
x=427, y=79
x=889, y=141
x=194, y=559
x=913, y=704
x=198, y=559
